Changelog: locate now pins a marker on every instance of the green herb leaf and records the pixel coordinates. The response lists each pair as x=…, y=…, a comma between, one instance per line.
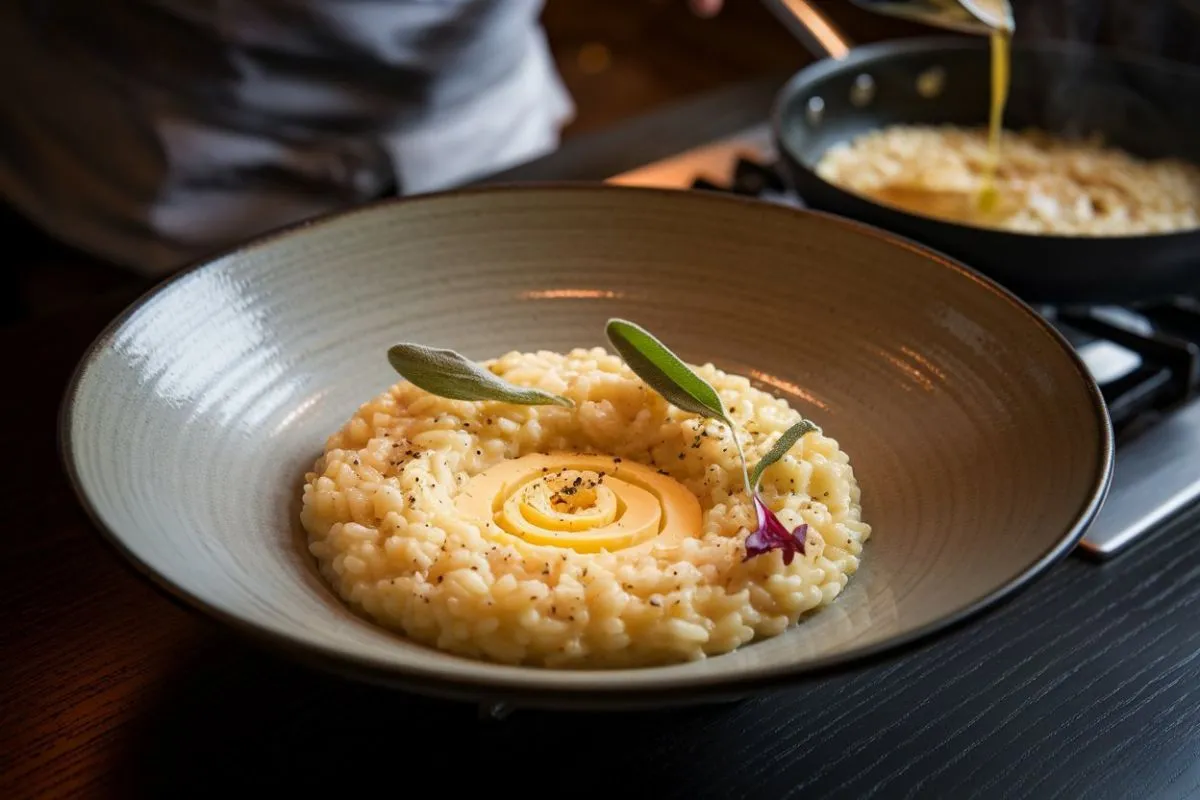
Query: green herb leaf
x=782, y=445
x=448, y=374
x=664, y=372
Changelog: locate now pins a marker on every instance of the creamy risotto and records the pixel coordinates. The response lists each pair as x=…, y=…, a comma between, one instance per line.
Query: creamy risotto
x=1046, y=185
x=433, y=517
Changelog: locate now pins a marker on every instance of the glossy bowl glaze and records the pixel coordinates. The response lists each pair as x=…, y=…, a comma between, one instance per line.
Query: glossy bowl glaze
x=981, y=444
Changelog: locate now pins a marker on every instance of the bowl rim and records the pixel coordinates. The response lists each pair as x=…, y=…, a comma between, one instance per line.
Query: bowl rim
x=641, y=685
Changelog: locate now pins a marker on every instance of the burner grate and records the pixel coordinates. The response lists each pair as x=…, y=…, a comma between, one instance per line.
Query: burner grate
x=750, y=179
x=1169, y=370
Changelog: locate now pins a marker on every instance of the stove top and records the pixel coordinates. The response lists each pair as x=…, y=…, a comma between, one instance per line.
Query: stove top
x=1145, y=359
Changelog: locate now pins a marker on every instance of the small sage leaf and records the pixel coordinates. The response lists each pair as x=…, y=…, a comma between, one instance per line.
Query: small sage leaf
x=448, y=374
x=664, y=372
x=782, y=445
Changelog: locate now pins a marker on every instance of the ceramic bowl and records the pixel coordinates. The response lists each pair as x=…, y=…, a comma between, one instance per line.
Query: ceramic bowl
x=981, y=444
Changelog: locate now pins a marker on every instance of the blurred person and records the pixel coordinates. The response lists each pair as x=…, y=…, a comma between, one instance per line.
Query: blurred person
x=154, y=132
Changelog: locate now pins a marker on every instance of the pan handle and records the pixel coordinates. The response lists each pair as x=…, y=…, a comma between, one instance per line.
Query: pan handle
x=815, y=30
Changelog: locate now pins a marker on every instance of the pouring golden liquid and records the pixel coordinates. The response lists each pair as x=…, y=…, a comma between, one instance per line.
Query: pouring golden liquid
x=989, y=197
x=987, y=202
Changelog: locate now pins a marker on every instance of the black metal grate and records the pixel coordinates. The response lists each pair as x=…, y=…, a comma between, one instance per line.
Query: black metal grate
x=750, y=179
x=1169, y=374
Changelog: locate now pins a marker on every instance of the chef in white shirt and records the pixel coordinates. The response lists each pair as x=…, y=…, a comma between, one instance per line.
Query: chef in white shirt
x=156, y=132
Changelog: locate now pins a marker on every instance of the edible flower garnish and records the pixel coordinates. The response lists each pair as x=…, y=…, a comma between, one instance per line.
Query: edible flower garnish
x=772, y=535
x=667, y=374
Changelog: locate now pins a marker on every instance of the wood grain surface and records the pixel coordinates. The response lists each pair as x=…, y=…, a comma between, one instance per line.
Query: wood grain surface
x=1085, y=686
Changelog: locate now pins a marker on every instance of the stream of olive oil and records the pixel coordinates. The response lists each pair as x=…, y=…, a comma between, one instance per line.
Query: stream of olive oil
x=986, y=204
x=1001, y=62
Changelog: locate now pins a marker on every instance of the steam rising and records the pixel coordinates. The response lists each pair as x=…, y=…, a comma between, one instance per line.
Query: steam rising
x=1146, y=111
x=1163, y=28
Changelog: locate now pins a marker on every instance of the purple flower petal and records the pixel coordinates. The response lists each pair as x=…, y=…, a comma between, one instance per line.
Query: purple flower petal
x=772, y=535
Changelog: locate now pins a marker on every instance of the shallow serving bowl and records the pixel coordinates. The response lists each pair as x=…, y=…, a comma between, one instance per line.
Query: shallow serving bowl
x=981, y=445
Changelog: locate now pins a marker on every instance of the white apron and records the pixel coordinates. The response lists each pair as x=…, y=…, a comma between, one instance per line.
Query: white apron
x=156, y=132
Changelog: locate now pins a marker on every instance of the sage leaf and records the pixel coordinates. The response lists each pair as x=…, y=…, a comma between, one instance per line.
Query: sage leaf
x=448, y=374
x=664, y=372
x=782, y=445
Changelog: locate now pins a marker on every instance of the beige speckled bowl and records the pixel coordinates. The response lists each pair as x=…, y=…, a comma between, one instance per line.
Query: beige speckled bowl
x=982, y=447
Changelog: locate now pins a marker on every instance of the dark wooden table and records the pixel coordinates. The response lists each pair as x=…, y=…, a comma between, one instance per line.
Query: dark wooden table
x=1087, y=685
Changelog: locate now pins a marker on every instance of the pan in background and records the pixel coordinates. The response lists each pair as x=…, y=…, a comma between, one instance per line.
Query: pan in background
x=1148, y=107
